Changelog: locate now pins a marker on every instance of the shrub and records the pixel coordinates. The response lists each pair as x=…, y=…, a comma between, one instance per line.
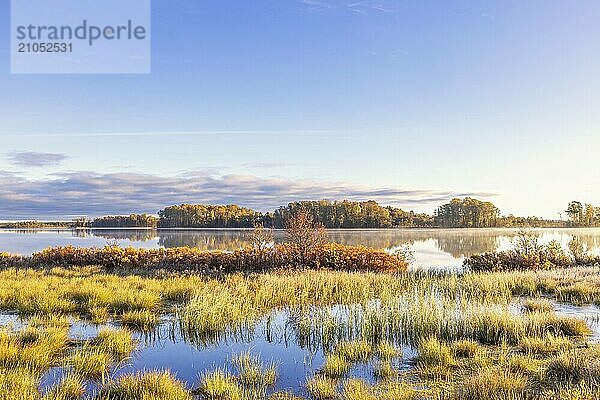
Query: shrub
x=322, y=256
x=527, y=255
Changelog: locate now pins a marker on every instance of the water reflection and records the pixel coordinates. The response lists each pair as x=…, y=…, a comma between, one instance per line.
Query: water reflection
x=432, y=247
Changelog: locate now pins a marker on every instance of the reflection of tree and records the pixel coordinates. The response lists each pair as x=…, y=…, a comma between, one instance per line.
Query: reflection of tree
x=134, y=235
x=378, y=239
x=590, y=239
x=205, y=240
x=455, y=242
x=464, y=245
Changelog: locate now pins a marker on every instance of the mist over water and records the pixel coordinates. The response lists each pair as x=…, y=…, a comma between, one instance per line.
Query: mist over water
x=433, y=248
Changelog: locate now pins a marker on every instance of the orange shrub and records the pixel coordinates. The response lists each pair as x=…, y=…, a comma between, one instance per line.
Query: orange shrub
x=328, y=256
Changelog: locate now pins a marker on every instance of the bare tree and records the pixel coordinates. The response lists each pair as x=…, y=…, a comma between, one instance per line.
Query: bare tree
x=302, y=231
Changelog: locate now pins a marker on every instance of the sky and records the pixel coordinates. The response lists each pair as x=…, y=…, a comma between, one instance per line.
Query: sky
x=260, y=103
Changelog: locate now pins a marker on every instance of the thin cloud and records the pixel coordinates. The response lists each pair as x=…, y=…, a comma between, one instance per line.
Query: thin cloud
x=35, y=159
x=358, y=7
x=268, y=165
x=314, y=5
x=94, y=194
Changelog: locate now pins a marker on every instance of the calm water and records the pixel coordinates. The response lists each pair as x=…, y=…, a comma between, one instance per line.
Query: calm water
x=432, y=247
x=280, y=341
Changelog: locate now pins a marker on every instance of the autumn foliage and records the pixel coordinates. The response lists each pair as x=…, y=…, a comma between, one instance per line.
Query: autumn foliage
x=327, y=256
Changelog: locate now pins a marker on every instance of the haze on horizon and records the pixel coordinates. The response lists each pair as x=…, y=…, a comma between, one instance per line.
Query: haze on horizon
x=262, y=103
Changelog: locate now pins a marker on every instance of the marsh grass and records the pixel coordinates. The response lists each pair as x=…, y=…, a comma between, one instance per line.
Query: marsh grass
x=462, y=326
x=493, y=384
x=435, y=358
x=70, y=387
x=18, y=384
x=546, y=345
x=118, y=343
x=143, y=320
x=322, y=388
x=575, y=366
x=354, y=351
x=384, y=370
x=35, y=348
x=387, y=351
x=285, y=396
x=537, y=305
x=220, y=385
x=91, y=363
x=355, y=389
x=98, y=315
x=466, y=348
x=335, y=366
x=252, y=372
x=152, y=385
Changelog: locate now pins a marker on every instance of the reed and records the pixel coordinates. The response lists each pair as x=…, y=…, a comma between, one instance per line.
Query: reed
x=219, y=385
x=335, y=366
x=354, y=351
x=18, y=384
x=322, y=388
x=355, y=389
x=492, y=385
x=142, y=320
x=117, y=343
x=70, y=387
x=146, y=385
x=91, y=363
x=252, y=373
x=461, y=325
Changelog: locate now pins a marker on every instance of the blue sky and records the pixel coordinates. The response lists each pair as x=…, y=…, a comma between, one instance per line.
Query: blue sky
x=262, y=102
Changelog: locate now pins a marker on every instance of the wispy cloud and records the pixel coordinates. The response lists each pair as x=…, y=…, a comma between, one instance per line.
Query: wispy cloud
x=314, y=5
x=367, y=5
x=362, y=7
x=268, y=164
x=94, y=194
x=35, y=159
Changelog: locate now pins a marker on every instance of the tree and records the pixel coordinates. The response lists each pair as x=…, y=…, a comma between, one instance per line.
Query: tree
x=467, y=213
x=302, y=231
x=575, y=212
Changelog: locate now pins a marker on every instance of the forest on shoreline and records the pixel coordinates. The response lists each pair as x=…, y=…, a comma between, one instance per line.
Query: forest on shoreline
x=458, y=213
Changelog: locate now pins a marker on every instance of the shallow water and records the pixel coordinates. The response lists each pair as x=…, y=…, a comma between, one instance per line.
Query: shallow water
x=167, y=349
x=279, y=340
x=433, y=248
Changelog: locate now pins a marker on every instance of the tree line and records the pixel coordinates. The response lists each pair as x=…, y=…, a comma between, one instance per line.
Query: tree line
x=126, y=221
x=458, y=213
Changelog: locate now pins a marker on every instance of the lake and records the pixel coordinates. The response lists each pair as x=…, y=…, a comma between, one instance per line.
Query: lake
x=433, y=248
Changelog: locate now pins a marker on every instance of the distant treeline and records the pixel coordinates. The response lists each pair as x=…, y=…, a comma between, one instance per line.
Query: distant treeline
x=35, y=225
x=458, y=213
x=126, y=221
